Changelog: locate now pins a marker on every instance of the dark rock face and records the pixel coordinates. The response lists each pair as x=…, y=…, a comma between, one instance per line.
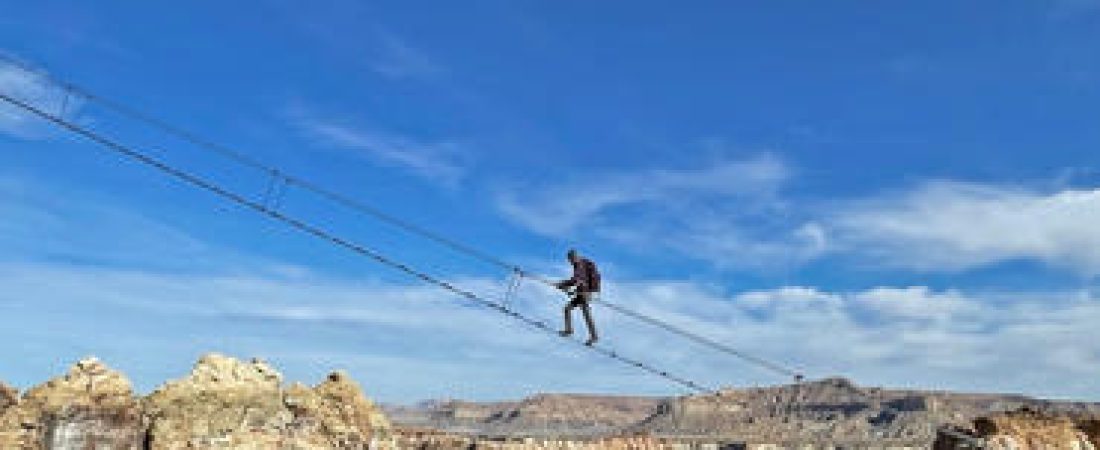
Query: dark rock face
x=956, y=438
x=1091, y=428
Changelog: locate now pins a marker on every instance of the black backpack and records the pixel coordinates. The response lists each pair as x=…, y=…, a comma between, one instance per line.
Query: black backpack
x=593, y=281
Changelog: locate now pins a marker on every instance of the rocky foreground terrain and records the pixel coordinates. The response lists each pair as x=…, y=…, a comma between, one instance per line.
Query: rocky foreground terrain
x=222, y=403
x=225, y=403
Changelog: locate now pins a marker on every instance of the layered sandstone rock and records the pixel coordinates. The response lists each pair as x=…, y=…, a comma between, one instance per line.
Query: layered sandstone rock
x=91, y=406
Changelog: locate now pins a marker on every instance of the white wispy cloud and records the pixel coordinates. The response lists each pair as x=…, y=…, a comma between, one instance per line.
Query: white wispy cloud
x=953, y=226
x=728, y=212
x=397, y=59
x=36, y=90
x=41, y=222
x=584, y=201
x=735, y=215
x=444, y=162
x=407, y=342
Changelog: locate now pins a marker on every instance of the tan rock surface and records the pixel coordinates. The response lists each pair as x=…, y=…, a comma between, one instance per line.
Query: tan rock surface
x=9, y=396
x=1030, y=429
x=223, y=403
x=1027, y=428
x=335, y=413
x=227, y=403
x=91, y=406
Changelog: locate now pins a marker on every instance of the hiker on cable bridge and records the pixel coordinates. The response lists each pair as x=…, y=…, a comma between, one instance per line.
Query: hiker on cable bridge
x=586, y=287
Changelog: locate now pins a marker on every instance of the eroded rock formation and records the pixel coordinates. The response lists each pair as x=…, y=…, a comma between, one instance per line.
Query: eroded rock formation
x=91, y=406
x=223, y=403
x=336, y=412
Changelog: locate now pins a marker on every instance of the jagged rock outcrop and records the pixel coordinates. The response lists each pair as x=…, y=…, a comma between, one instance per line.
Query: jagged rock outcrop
x=336, y=413
x=222, y=402
x=91, y=406
x=227, y=403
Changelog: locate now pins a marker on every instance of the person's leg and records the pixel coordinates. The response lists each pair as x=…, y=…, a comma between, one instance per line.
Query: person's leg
x=568, y=311
x=587, y=310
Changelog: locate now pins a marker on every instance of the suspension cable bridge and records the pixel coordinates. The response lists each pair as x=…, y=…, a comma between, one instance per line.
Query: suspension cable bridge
x=281, y=180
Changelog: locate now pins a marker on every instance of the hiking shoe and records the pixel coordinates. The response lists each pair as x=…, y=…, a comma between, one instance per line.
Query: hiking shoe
x=590, y=341
x=564, y=333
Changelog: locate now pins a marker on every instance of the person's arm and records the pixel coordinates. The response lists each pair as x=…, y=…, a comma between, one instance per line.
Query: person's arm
x=572, y=281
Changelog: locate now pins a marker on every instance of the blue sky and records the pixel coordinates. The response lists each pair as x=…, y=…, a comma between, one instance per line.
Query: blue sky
x=905, y=195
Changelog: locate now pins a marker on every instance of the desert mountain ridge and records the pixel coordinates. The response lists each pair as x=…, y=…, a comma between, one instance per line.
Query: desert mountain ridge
x=828, y=407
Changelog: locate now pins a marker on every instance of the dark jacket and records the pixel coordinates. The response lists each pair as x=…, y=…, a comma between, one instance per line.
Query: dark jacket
x=585, y=276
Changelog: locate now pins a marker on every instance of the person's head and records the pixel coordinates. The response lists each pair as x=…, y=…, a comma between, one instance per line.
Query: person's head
x=572, y=255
